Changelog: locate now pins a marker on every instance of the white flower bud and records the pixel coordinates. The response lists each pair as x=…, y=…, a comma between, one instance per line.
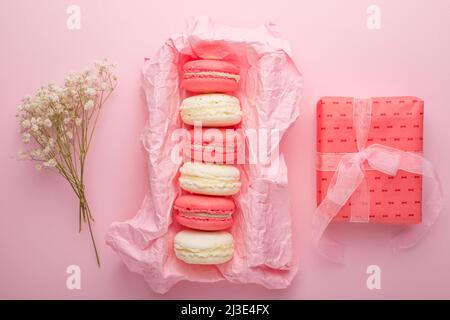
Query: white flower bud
x=26, y=137
x=89, y=105
x=26, y=124
x=22, y=155
x=50, y=163
x=35, y=153
x=53, y=97
x=91, y=91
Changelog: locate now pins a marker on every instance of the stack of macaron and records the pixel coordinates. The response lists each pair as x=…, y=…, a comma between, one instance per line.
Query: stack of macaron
x=206, y=207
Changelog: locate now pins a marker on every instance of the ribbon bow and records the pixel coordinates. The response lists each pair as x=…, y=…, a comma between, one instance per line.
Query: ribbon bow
x=349, y=181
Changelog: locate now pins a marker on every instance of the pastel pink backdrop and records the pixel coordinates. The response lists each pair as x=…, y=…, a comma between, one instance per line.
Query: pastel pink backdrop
x=337, y=55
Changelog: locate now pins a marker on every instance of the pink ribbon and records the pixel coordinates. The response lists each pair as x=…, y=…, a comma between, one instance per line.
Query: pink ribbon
x=349, y=181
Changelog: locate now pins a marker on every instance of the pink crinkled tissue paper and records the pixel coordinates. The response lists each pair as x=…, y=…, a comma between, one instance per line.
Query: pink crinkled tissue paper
x=270, y=93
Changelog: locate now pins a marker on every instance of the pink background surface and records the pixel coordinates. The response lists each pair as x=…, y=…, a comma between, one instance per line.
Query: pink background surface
x=337, y=55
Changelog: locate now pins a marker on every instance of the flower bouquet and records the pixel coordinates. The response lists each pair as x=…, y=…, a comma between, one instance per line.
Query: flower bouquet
x=58, y=125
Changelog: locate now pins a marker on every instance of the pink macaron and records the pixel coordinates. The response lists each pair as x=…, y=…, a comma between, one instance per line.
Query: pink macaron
x=215, y=145
x=206, y=213
x=204, y=76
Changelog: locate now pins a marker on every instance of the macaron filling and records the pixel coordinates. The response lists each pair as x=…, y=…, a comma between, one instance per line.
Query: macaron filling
x=205, y=215
x=211, y=180
x=214, y=74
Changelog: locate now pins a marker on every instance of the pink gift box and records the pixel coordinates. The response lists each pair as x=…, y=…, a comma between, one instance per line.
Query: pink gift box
x=395, y=122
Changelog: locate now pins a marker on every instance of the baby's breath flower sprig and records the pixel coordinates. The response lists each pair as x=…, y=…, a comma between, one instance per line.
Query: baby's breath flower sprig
x=57, y=124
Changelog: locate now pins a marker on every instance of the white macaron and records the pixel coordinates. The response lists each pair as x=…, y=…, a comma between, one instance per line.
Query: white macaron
x=203, y=247
x=210, y=179
x=211, y=110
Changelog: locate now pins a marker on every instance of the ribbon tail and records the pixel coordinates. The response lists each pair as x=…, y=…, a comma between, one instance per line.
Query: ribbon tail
x=431, y=205
x=345, y=181
x=325, y=246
